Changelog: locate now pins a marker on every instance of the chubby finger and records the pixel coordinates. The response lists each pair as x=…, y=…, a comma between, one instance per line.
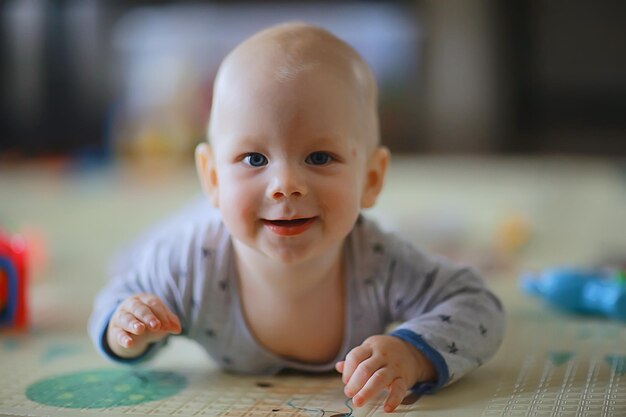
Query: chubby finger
x=121, y=337
x=361, y=375
x=353, y=359
x=175, y=326
x=397, y=392
x=169, y=320
x=158, y=308
x=377, y=382
x=141, y=312
x=339, y=366
x=130, y=323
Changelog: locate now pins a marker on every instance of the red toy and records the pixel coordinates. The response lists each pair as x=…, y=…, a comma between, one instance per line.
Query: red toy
x=13, y=282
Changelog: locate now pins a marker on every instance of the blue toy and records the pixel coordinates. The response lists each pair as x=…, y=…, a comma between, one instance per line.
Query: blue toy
x=584, y=291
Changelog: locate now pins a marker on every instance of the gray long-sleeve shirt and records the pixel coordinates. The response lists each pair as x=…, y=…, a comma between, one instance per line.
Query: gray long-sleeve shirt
x=443, y=310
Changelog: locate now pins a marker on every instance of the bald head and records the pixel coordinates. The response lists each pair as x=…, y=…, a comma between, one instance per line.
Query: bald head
x=284, y=56
x=295, y=48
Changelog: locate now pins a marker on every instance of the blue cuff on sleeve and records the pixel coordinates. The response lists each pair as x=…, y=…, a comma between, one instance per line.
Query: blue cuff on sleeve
x=432, y=355
x=106, y=350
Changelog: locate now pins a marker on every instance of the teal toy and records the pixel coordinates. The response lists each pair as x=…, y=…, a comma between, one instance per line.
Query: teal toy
x=583, y=291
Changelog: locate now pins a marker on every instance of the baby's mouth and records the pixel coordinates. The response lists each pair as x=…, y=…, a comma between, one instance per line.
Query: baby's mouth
x=289, y=227
x=291, y=222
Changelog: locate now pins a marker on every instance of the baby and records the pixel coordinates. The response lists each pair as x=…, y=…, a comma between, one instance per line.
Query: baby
x=283, y=271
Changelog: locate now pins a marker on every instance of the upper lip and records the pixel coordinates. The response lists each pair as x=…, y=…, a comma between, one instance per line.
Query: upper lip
x=284, y=219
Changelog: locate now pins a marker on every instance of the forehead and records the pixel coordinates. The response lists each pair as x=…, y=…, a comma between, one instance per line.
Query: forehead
x=305, y=112
x=314, y=101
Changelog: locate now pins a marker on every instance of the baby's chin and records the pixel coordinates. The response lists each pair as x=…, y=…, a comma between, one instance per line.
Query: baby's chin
x=291, y=254
x=284, y=251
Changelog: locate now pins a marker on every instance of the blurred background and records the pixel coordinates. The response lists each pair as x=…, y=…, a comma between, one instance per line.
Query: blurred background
x=107, y=81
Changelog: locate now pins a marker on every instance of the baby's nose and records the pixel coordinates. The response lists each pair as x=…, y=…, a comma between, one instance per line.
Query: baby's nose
x=287, y=183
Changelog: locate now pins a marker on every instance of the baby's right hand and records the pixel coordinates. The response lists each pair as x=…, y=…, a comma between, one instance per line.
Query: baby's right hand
x=140, y=320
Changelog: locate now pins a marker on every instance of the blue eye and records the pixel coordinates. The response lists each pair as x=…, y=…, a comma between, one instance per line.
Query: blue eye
x=255, y=159
x=318, y=158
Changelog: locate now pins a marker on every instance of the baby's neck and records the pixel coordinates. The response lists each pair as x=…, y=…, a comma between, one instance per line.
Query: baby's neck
x=296, y=311
x=287, y=281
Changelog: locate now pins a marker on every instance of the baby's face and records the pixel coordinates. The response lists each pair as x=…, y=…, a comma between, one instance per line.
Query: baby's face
x=291, y=165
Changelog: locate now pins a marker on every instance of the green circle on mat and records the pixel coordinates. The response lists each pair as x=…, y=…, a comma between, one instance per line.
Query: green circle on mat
x=105, y=388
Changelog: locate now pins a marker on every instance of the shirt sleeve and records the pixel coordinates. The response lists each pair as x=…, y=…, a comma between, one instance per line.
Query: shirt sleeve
x=444, y=310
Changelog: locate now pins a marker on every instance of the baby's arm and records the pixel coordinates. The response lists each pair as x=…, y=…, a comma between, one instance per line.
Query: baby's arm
x=446, y=315
x=383, y=362
x=155, y=284
x=138, y=321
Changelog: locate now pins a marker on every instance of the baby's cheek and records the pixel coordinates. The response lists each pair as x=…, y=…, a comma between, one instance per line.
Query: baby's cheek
x=234, y=210
x=345, y=201
x=237, y=222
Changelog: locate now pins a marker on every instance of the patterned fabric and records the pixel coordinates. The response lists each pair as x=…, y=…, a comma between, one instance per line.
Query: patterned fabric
x=442, y=309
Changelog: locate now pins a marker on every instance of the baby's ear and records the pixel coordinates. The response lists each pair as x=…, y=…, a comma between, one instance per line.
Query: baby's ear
x=205, y=165
x=375, y=176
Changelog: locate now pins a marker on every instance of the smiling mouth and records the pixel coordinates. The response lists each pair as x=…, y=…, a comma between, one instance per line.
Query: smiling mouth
x=290, y=227
x=287, y=223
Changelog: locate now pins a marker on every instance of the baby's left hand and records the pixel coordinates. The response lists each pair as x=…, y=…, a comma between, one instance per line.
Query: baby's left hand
x=383, y=362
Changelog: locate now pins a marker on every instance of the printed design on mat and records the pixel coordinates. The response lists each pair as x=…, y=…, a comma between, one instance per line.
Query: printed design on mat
x=105, y=388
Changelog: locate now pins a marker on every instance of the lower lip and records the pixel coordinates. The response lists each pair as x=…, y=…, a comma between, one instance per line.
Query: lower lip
x=287, y=229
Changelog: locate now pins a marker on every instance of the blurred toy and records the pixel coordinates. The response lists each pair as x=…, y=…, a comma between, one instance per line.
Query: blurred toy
x=13, y=282
x=585, y=291
x=513, y=233
x=36, y=245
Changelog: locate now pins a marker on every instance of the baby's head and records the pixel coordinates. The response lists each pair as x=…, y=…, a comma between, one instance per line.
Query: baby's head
x=282, y=58
x=293, y=149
